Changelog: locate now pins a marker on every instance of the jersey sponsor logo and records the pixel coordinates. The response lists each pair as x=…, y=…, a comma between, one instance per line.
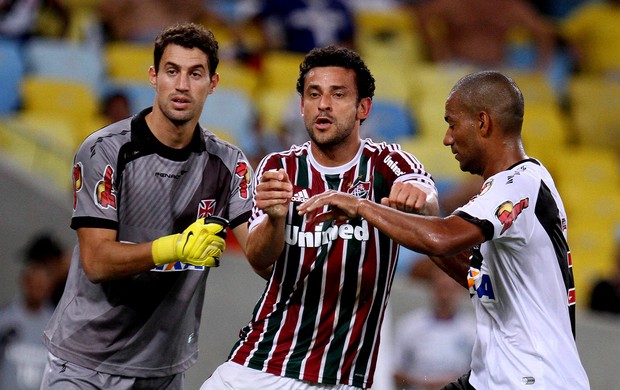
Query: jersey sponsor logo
x=178, y=266
x=300, y=196
x=243, y=172
x=105, y=195
x=486, y=187
x=564, y=224
x=206, y=208
x=393, y=165
x=511, y=178
x=480, y=284
x=528, y=380
x=319, y=237
x=508, y=212
x=361, y=189
x=78, y=182
x=171, y=175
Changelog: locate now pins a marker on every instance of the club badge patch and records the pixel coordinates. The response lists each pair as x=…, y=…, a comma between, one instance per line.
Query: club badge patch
x=78, y=181
x=206, y=208
x=243, y=172
x=508, y=212
x=105, y=195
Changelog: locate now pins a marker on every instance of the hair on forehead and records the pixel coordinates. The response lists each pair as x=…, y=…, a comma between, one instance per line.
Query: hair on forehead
x=339, y=57
x=188, y=35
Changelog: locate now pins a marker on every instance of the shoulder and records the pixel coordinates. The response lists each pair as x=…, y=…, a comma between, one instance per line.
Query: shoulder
x=279, y=159
x=112, y=135
x=228, y=153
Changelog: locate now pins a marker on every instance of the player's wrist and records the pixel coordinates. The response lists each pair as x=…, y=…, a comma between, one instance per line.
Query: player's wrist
x=163, y=249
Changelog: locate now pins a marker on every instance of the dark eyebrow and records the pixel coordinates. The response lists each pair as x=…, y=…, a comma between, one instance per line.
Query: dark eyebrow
x=193, y=67
x=331, y=87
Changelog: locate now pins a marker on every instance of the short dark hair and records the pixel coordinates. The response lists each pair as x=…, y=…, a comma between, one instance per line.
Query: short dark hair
x=495, y=92
x=188, y=35
x=340, y=57
x=43, y=248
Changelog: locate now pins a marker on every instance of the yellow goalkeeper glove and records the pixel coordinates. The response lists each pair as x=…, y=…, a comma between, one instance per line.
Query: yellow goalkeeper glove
x=201, y=244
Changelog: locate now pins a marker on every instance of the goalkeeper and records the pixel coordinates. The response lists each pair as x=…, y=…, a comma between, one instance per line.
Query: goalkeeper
x=153, y=198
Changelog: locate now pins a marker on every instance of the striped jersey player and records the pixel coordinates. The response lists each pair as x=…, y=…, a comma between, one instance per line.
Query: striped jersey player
x=319, y=318
x=126, y=180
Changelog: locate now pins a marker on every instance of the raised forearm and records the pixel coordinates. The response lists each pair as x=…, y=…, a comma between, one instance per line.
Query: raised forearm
x=265, y=243
x=430, y=235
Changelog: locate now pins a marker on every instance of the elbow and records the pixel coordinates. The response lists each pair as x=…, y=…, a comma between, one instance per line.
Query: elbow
x=92, y=272
x=437, y=245
x=259, y=264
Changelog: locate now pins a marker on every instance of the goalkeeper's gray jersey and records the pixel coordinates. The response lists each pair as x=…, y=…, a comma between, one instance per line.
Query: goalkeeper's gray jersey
x=124, y=179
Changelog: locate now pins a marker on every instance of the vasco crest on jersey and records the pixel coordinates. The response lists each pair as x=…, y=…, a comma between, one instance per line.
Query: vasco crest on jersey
x=206, y=208
x=507, y=212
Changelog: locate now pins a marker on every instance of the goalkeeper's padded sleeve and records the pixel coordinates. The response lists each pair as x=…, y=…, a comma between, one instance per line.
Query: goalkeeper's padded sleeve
x=201, y=244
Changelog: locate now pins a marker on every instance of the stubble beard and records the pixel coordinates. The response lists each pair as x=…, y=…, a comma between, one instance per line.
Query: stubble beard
x=331, y=138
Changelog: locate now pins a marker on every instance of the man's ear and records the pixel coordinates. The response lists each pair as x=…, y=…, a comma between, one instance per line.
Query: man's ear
x=484, y=121
x=215, y=79
x=152, y=77
x=363, y=108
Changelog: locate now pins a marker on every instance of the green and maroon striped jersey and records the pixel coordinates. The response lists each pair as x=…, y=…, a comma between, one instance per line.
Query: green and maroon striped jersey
x=320, y=315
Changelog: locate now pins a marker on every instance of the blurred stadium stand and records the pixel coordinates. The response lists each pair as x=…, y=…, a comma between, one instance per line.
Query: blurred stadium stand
x=50, y=96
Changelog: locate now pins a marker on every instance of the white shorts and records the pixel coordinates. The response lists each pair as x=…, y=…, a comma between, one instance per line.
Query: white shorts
x=231, y=375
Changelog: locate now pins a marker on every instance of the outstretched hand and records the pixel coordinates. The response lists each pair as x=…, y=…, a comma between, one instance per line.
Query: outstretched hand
x=342, y=207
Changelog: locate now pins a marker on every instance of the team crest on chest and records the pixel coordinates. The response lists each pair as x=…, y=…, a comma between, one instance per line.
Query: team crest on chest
x=360, y=189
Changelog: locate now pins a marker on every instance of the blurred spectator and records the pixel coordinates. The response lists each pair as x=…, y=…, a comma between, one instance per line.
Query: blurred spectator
x=432, y=345
x=22, y=354
x=301, y=25
x=141, y=20
x=557, y=9
x=21, y=19
x=479, y=32
x=605, y=296
x=115, y=106
x=593, y=34
x=44, y=249
x=18, y=17
x=459, y=194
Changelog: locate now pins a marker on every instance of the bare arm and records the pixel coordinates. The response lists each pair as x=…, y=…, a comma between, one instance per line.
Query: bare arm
x=412, y=198
x=445, y=240
x=103, y=258
x=266, y=240
x=241, y=234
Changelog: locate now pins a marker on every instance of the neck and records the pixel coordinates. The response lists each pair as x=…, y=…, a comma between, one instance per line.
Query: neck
x=335, y=155
x=511, y=153
x=173, y=135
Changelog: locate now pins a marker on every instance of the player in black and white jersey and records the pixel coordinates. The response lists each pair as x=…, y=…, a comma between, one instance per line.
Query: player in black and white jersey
x=519, y=273
x=152, y=195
